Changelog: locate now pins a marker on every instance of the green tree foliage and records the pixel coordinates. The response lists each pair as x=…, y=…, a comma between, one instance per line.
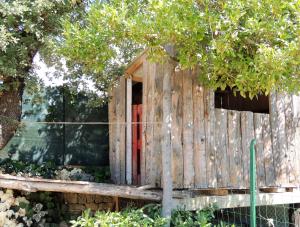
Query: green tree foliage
x=26, y=26
x=251, y=46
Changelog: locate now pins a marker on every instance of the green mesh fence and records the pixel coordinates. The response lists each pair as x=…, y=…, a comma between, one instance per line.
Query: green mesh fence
x=269, y=216
x=282, y=215
x=64, y=144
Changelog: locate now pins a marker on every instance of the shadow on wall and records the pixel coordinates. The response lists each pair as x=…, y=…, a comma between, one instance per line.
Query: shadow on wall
x=63, y=144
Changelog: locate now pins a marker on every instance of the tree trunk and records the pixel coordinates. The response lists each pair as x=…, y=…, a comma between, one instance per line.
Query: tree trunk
x=10, y=109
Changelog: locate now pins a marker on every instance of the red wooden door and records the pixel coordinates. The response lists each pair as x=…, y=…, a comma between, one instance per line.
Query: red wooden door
x=136, y=143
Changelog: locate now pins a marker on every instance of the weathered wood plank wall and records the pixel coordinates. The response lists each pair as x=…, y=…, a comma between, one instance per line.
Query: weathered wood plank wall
x=111, y=128
x=221, y=144
x=258, y=130
x=152, y=136
x=235, y=148
x=144, y=119
x=278, y=137
x=187, y=130
x=117, y=127
x=268, y=160
x=295, y=143
x=209, y=122
x=210, y=147
x=149, y=151
x=247, y=130
x=199, y=135
x=177, y=113
x=157, y=126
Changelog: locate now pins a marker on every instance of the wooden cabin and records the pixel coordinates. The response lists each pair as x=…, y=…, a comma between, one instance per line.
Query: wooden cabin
x=210, y=136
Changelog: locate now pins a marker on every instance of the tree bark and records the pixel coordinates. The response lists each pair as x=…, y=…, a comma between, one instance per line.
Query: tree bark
x=10, y=108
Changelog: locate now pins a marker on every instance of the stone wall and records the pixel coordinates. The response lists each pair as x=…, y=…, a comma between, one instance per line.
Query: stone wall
x=76, y=203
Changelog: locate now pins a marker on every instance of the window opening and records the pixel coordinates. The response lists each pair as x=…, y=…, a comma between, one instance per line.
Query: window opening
x=227, y=100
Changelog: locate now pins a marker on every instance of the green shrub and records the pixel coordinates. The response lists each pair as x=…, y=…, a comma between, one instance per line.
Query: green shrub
x=183, y=218
x=100, y=173
x=45, y=170
x=48, y=170
x=130, y=217
x=148, y=216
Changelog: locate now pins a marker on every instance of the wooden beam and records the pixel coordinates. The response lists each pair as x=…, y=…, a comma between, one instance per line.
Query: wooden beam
x=237, y=200
x=119, y=138
x=121, y=112
x=136, y=63
x=296, y=216
x=166, y=142
x=148, y=151
x=134, y=78
x=180, y=199
x=137, y=79
x=158, y=131
x=1, y=136
x=144, y=119
x=117, y=204
x=82, y=187
x=112, y=133
x=129, y=131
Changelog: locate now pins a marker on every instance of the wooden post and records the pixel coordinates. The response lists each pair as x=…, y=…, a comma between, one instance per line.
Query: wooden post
x=166, y=142
x=294, y=214
x=117, y=204
x=1, y=142
x=128, y=131
x=297, y=218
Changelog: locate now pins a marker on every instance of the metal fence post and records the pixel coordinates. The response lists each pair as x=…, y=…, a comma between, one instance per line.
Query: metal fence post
x=252, y=184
